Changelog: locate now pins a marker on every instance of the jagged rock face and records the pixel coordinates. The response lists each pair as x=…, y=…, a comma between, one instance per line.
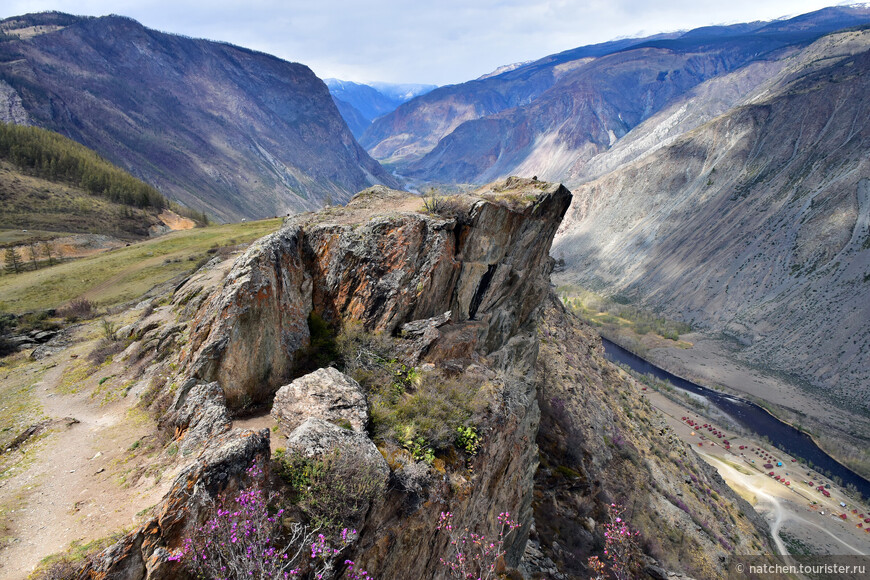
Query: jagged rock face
x=245, y=335
x=487, y=265
x=462, y=285
x=399, y=539
x=326, y=393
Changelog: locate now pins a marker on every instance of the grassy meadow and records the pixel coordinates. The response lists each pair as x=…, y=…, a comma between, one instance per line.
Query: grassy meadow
x=123, y=274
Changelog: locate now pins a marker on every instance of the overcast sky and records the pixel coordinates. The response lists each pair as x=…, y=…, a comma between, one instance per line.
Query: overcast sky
x=435, y=41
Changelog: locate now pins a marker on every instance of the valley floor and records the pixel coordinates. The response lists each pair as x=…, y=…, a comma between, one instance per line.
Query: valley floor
x=798, y=514
x=712, y=362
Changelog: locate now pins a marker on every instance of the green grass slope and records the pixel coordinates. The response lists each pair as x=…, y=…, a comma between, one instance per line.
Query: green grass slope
x=49, y=182
x=123, y=274
x=33, y=203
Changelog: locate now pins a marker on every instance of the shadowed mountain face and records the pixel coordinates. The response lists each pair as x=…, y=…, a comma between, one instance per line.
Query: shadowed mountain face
x=220, y=128
x=755, y=224
x=550, y=117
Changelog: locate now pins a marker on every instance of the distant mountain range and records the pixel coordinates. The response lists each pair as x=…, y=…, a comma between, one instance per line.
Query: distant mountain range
x=360, y=104
x=721, y=176
x=223, y=129
x=553, y=116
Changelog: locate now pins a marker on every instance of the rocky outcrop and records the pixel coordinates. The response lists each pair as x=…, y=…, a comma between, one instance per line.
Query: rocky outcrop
x=11, y=109
x=245, y=336
x=459, y=288
x=419, y=335
x=383, y=262
x=327, y=394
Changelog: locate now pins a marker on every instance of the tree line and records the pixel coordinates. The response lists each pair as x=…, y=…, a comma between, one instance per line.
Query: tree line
x=52, y=156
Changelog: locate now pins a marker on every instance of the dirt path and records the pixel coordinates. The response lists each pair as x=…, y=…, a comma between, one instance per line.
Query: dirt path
x=78, y=485
x=770, y=505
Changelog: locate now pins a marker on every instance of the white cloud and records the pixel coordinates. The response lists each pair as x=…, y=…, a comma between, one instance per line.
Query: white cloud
x=441, y=41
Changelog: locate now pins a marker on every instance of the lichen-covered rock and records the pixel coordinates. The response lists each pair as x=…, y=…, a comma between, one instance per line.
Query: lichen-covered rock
x=327, y=394
x=384, y=262
x=198, y=413
x=245, y=334
x=316, y=438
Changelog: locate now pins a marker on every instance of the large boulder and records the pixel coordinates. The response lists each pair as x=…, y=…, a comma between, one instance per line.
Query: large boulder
x=245, y=334
x=316, y=438
x=327, y=394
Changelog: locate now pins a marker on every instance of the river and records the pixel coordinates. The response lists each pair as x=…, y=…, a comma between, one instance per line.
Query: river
x=751, y=417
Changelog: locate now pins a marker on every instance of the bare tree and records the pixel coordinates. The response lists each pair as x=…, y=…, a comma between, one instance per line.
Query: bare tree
x=48, y=252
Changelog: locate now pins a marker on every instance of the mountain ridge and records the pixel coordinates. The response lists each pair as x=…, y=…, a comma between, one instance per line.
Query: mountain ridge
x=215, y=126
x=360, y=103
x=780, y=184
x=565, y=106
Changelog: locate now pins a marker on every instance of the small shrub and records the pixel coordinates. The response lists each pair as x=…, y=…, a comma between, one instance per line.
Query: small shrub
x=6, y=346
x=431, y=204
x=322, y=348
x=333, y=491
x=78, y=309
x=620, y=548
x=419, y=450
x=109, y=329
x=471, y=555
x=147, y=311
x=467, y=439
x=362, y=354
x=104, y=350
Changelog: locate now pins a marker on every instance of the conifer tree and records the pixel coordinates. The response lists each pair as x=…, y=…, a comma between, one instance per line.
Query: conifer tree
x=13, y=262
